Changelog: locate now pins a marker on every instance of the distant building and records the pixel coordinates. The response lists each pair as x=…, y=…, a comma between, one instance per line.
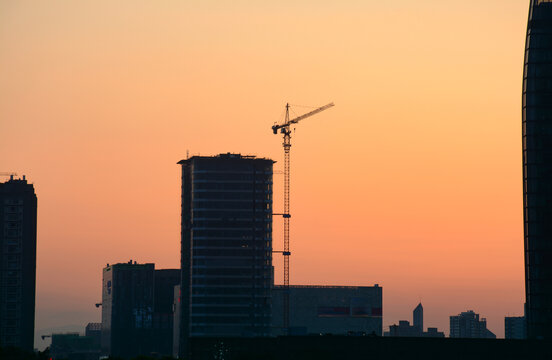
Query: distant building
x=514, y=327
x=73, y=346
x=418, y=318
x=339, y=310
x=137, y=310
x=18, y=205
x=94, y=331
x=127, y=309
x=226, y=242
x=468, y=325
x=404, y=329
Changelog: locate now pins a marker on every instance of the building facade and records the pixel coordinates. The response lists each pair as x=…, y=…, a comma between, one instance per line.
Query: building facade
x=164, y=282
x=226, y=247
x=468, y=325
x=127, y=309
x=514, y=327
x=537, y=169
x=18, y=206
x=337, y=310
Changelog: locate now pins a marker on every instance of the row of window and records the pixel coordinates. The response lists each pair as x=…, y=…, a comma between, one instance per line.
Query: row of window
x=536, y=99
x=214, y=262
x=231, y=195
x=233, y=186
x=222, y=291
x=217, y=281
x=13, y=209
x=230, y=243
x=246, y=233
x=218, y=319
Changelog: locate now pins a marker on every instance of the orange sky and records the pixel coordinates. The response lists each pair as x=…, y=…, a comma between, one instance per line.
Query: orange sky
x=412, y=181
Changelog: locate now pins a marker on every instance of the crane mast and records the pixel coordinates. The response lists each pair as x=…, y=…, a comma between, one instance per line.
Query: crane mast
x=285, y=129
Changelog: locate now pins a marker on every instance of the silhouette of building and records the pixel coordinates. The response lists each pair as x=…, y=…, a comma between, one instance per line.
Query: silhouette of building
x=127, y=309
x=164, y=282
x=226, y=247
x=338, y=310
x=514, y=327
x=94, y=331
x=468, y=325
x=404, y=329
x=18, y=205
x=418, y=318
x=137, y=309
x=537, y=169
x=73, y=346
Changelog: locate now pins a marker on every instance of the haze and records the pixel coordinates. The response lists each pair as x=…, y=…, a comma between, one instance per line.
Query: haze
x=412, y=181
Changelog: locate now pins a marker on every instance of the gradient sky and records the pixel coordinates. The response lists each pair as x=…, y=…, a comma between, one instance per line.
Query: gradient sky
x=412, y=181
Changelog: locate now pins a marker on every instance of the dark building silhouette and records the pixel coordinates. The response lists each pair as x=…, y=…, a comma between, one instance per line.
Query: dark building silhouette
x=73, y=346
x=94, y=331
x=537, y=169
x=164, y=282
x=17, y=263
x=226, y=247
x=338, y=310
x=468, y=325
x=137, y=309
x=404, y=329
x=418, y=318
x=367, y=347
x=127, y=309
x=514, y=327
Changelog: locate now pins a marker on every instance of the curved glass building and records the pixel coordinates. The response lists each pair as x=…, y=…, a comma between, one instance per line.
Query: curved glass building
x=537, y=169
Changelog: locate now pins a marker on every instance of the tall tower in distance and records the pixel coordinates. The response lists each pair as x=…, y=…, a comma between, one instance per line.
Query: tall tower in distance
x=17, y=263
x=226, y=247
x=418, y=318
x=537, y=169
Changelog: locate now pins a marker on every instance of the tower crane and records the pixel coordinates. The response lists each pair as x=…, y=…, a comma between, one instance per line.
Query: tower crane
x=285, y=129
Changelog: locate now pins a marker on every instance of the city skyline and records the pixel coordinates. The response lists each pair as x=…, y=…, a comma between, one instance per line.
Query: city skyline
x=423, y=147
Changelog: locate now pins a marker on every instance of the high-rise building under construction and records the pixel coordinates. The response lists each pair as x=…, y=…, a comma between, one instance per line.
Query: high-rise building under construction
x=226, y=247
x=537, y=169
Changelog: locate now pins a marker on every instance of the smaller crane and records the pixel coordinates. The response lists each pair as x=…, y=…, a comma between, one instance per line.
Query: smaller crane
x=285, y=129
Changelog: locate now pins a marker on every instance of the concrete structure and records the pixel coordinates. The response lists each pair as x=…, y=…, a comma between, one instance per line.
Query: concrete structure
x=226, y=247
x=514, y=327
x=338, y=310
x=18, y=205
x=537, y=169
x=468, y=325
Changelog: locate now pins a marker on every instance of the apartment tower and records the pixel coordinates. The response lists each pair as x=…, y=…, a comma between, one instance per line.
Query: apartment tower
x=17, y=263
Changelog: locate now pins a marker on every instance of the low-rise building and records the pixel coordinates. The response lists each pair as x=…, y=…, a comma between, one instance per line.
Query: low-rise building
x=515, y=327
x=468, y=325
x=339, y=310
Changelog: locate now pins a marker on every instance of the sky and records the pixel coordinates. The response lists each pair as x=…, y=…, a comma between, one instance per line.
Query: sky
x=412, y=181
